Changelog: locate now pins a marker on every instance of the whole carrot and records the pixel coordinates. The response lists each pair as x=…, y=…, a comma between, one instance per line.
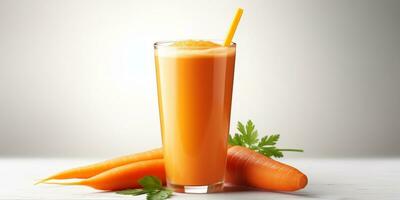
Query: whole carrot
x=123, y=177
x=94, y=169
x=249, y=168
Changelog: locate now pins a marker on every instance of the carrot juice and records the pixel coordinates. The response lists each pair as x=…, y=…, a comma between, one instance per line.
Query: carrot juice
x=194, y=83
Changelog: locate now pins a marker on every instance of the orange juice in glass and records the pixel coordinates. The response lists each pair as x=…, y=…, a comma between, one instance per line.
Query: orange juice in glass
x=194, y=84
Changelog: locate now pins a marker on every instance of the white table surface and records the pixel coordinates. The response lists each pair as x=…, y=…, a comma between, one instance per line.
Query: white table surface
x=341, y=179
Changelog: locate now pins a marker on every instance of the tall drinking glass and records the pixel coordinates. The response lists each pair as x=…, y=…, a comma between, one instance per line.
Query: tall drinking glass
x=194, y=85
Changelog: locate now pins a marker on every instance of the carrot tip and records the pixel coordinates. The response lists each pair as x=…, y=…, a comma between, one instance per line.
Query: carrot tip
x=41, y=181
x=62, y=183
x=303, y=181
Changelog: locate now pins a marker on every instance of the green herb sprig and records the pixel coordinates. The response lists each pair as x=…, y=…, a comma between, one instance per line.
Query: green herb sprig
x=248, y=137
x=152, y=187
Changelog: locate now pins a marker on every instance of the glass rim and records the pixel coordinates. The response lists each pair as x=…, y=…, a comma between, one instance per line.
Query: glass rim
x=166, y=43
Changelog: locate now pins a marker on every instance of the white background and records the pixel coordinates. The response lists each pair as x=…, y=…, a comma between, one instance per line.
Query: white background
x=77, y=78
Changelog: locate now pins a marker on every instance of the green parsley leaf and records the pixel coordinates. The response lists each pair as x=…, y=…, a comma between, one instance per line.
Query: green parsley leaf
x=248, y=137
x=268, y=140
x=152, y=186
x=150, y=183
x=132, y=192
x=160, y=195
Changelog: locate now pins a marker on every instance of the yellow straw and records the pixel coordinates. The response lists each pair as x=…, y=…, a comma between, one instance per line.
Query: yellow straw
x=233, y=27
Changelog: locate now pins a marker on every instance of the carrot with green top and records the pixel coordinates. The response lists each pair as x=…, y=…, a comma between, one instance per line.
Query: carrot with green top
x=249, y=164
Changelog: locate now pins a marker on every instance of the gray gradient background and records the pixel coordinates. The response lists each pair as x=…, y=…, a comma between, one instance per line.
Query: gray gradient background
x=77, y=78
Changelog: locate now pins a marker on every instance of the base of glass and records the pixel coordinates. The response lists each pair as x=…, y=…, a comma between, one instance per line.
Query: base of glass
x=197, y=189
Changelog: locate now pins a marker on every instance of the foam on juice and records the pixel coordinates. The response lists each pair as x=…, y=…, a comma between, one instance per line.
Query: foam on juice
x=190, y=48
